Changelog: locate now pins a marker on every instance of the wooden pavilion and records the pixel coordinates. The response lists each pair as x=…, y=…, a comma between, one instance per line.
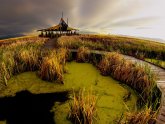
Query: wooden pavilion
x=61, y=29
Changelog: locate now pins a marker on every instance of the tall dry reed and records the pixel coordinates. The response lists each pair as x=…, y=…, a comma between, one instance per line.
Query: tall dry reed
x=83, y=108
x=146, y=116
x=137, y=76
x=18, y=56
x=52, y=66
x=83, y=54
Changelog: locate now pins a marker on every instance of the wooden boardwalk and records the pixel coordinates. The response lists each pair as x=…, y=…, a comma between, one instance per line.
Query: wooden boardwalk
x=160, y=83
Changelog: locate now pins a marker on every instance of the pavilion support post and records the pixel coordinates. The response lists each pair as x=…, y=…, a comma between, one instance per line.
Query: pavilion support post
x=55, y=34
x=41, y=34
x=51, y=34
x=44, y=33
x=48, y=33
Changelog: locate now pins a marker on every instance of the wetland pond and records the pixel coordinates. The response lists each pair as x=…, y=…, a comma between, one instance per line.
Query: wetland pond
x=32, y=98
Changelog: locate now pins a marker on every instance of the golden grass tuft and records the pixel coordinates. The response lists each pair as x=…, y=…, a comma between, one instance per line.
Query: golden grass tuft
x=52, y=66
x=83, y=108
x=110, y=62
x=146, y=116
x=69, y=42
x=27, y=59
x=63, y=55
x=83, y=54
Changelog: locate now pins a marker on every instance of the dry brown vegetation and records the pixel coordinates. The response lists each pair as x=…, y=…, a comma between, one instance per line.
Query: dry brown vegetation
x=27, y=55
x=130, y=46
x=146, y=116
x=27, y=59
x=52, y=66
x=83, y=108
x=83, y=54
x=74, y=42
x=19, y=39
x=137, y=76
x=18, y=57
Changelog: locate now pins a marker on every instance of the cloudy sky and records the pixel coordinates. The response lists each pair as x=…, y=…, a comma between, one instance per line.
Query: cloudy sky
x=128, y=17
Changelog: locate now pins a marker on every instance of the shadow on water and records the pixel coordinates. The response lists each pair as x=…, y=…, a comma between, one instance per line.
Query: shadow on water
x=28, y=108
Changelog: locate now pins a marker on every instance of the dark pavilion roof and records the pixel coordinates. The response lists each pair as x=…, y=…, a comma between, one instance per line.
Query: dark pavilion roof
x=62, y=26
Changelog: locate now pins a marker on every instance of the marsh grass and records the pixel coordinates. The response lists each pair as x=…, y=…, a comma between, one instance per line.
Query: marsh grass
x=83, y=108
x=74, y=42
x=137, y=76
x=83, y=54
x=63, y=55
x=19, y=56
x=53, y=65
x=27, y=60
x=145, y=116
x=138, y=48
x=10, y=41
x=110, y=63
x=7, y=67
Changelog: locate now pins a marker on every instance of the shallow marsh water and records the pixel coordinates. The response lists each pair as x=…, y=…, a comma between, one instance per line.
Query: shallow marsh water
x=110, y=92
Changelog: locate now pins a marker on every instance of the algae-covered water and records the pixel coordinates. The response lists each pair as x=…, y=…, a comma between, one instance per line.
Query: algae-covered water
x=110, y=93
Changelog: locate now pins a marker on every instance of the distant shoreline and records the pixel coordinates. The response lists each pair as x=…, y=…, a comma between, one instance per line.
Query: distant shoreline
x=136, y=37
x=4, y=37
x=16, y=37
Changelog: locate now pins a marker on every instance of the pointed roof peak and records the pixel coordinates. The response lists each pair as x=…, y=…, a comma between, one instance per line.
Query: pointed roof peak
x=62, y=22
x=62, y=19
x=62, y=26
x=62, y=14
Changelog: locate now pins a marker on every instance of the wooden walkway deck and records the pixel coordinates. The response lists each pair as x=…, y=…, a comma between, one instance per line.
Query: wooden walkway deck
x=160, y=83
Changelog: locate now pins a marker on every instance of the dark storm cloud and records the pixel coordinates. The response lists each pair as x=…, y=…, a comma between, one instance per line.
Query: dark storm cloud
x=19, y=16
x=23, y=16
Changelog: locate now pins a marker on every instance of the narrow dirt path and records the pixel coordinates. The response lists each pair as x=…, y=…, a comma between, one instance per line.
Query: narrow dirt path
x=50, y=44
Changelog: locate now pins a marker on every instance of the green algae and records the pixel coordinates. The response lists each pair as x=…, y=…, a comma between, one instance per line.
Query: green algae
x=31, y=82
x=110, y=93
